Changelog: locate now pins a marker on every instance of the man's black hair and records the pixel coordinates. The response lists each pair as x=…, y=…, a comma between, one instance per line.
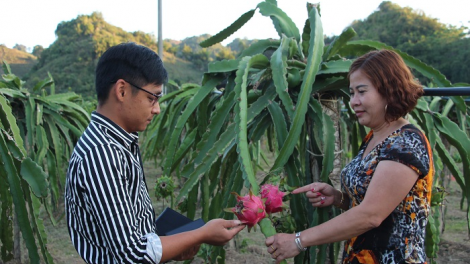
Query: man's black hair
x=131, y=62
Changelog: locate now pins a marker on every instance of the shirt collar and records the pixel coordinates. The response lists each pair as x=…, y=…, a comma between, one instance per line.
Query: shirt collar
x=114, y=130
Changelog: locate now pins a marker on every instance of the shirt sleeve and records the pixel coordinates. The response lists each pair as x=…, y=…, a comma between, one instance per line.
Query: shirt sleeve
x=154, y=247
x=410, y=149
x=109, y=201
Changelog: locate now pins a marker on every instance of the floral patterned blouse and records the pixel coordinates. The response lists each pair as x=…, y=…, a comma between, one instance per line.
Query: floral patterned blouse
x=400, y=237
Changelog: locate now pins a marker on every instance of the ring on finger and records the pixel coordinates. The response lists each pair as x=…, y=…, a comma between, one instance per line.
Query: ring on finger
x=273, y=248
x=274, y=254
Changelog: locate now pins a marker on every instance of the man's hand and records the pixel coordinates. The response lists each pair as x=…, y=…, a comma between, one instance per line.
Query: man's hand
x=218, y=232
x=185, y=245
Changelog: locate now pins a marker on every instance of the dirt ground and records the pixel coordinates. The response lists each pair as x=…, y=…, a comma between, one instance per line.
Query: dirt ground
x=455, y=243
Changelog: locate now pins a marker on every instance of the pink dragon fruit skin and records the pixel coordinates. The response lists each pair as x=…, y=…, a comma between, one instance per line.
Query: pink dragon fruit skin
x=249, y=209
x=273, y=198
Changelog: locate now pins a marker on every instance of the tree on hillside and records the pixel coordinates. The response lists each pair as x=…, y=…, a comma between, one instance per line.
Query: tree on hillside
x=397, y=26
x=190, y=50
x=72, y=57
x=225, y=54
x=168, y=47
x=186, y=52
x=238, y=45
x=214, y=51
x=455, y=60
x=37, y=50
x=201, y=59
x=418, y=35
x=80, y=42
x=20, y=61
x=20, y=47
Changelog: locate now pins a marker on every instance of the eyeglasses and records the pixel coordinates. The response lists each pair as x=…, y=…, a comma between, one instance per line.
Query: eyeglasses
x=155, y=96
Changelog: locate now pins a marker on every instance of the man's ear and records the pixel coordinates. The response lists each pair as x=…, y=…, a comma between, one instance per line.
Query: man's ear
x=119, y=90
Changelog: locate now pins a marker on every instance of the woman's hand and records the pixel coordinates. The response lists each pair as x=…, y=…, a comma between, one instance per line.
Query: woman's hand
x=282, y=246
x=320, y=194
x=218, y=232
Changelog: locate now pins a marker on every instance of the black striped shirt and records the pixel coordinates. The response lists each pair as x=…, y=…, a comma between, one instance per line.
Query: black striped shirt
x=109, y=213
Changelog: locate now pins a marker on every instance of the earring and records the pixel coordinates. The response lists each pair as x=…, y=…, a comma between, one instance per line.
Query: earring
x=386, y=108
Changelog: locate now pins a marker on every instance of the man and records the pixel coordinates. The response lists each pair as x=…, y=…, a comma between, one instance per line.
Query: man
x=109, y=213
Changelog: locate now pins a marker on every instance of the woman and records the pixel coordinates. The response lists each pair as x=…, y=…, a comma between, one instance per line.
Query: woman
x=386, y=189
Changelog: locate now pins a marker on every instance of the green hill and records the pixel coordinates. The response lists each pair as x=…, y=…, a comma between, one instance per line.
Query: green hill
x=444, y=47
x=20, y=62
x=72, y=58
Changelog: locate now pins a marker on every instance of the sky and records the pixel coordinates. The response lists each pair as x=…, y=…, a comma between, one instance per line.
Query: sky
x=33, y=22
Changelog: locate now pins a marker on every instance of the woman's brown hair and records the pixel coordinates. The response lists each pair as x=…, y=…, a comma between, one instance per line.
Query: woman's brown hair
x=392, y=78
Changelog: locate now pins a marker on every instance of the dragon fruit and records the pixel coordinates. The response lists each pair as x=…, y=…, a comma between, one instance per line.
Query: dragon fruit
x=273, y=198
x=249, y=209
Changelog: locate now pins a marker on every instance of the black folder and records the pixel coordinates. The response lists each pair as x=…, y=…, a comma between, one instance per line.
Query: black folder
x=170, y=222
